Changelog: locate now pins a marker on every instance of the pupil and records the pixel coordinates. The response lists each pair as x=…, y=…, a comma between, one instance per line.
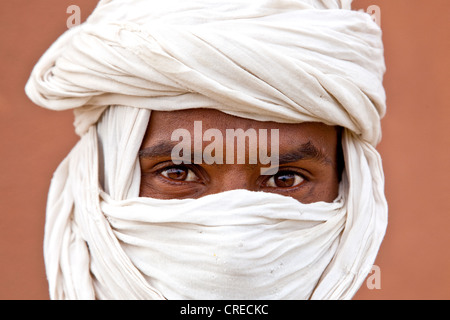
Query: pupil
x=285, y=180
x=176, y=174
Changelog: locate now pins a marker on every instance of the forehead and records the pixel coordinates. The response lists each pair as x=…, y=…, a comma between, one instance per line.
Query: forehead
x=163, y=123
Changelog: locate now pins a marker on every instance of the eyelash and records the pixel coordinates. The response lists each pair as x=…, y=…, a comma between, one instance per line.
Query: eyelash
x=286, y=172
x=169, y=166
x=193, y=169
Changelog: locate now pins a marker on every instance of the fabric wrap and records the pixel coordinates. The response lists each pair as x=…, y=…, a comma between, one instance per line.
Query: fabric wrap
x=285, y=61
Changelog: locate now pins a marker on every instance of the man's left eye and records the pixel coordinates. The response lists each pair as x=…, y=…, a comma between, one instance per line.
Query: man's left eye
x=179, y=174
x=284, y=179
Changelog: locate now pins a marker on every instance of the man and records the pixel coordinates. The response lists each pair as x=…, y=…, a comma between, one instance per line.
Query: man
x=226, y=151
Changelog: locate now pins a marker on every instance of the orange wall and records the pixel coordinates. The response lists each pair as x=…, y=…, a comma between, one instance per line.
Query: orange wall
x=414, y=259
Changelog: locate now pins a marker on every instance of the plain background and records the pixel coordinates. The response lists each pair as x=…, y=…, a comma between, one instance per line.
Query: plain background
x=414, y=259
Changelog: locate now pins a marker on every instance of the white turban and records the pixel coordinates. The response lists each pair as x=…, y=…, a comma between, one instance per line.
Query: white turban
x=271, y=60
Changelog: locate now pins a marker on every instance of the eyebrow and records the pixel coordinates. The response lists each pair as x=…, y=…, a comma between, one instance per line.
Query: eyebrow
x=306, y=151
x=160, y=149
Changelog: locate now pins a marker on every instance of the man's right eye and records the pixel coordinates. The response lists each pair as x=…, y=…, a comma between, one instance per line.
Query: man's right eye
x=179, y=173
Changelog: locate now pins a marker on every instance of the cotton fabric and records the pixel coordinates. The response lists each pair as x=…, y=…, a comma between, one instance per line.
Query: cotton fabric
x=233, y=245
x=131, y=57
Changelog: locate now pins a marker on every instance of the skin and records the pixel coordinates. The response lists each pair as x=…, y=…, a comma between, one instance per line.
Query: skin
x=310, y=153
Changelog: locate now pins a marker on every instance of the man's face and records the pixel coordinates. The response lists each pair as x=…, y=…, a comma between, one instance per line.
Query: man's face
x=307, y=157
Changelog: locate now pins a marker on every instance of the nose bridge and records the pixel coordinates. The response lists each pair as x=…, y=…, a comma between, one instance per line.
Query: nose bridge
x=233, y=177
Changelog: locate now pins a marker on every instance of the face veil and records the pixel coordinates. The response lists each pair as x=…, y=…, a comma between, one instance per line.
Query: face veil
x=121, y=64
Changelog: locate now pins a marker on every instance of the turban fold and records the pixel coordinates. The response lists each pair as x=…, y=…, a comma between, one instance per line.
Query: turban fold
x=325, y=65
x=288, y=61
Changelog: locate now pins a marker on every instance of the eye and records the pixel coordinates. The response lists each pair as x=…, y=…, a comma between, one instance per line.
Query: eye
x=284, y=179
x=179, y=174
